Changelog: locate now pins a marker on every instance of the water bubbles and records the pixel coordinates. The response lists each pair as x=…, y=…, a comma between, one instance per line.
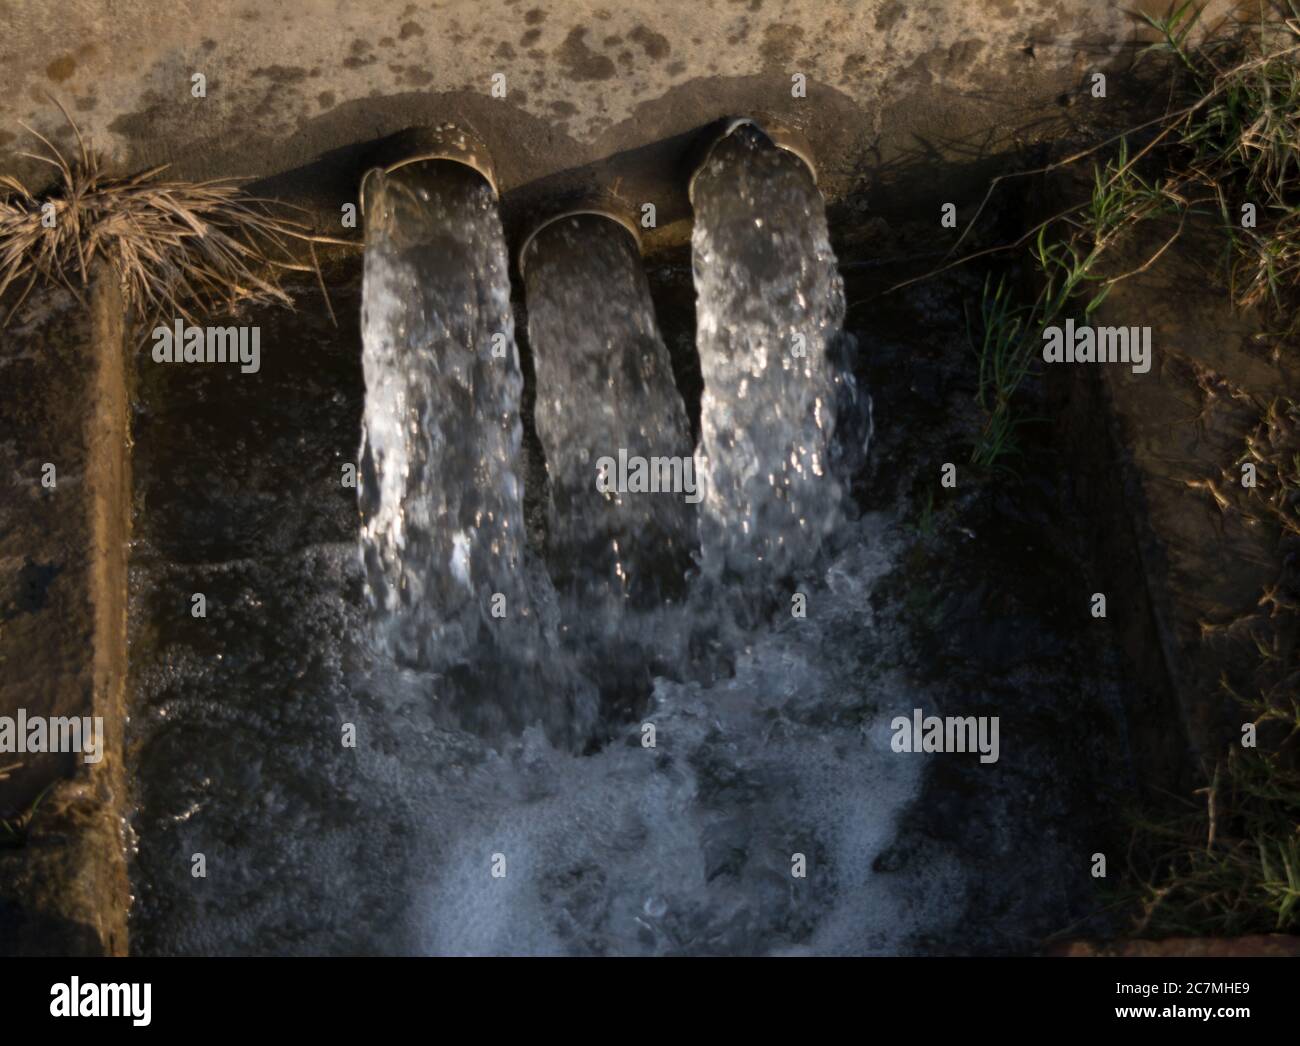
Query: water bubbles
x=442, y=536
x=478, y=735
x=757, y=293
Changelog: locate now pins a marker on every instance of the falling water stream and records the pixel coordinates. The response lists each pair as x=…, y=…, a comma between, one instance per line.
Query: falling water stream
x=441, y=501
x=605, y=386
x=771, y=304
x=499, y=797
x=605, y=395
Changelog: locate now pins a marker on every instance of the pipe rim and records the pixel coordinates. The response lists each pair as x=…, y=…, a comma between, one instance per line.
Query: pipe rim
x=788, y=139
x=603, y=212
x=449, y=142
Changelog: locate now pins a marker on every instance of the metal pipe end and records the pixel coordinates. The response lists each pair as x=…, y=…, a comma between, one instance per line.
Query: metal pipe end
x=603, y=204
x=451, y=142
x=783, y=136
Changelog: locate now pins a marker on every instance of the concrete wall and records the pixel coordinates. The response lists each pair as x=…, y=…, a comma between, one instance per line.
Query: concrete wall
x=896, y=88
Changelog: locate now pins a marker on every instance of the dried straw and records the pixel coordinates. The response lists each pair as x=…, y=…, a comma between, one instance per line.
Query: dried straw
x=173, y=244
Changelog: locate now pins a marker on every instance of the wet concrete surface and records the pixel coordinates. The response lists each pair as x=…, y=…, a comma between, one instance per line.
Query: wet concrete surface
x=238, y=489
x=63, y=535
x=992, y=589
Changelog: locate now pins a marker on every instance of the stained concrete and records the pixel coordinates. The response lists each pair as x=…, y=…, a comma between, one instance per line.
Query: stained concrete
x=901, y=97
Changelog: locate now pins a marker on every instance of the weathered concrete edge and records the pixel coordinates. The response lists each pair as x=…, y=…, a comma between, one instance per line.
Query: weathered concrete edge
x=70, y=879
x=108, y=441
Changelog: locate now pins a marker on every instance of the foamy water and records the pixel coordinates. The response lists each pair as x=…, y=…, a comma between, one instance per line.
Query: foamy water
x=488, y=807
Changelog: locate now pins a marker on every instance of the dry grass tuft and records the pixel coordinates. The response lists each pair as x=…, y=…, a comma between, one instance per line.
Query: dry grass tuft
x=174, y=245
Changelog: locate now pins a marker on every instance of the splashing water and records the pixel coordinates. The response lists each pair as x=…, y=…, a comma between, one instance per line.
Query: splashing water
x=683, y=845
x=770, y=307
x=605, y=386
x=441, y=506
x=442, y=534
x=605, y=394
